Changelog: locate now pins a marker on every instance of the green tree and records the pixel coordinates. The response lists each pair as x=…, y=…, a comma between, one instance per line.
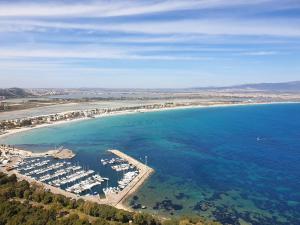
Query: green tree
x=100, y=221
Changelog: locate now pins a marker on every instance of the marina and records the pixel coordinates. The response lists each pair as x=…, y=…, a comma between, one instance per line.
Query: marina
x=77, y=181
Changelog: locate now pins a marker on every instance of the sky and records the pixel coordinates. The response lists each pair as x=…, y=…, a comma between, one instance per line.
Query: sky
x=148, y=44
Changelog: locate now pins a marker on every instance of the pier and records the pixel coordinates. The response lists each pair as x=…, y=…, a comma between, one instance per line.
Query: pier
x=117, y=199
x=60, y=153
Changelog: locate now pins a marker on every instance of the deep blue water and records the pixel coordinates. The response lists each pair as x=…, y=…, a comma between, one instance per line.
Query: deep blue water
x=234, y=164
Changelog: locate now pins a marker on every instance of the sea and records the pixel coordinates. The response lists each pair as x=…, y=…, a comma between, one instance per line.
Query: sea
x=235, y=164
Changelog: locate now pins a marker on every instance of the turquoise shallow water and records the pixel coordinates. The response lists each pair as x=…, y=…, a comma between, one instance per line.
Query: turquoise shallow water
x=234, y=164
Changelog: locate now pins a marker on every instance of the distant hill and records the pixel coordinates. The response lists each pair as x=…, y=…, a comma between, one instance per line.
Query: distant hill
x=293, y=86
x=14, y=93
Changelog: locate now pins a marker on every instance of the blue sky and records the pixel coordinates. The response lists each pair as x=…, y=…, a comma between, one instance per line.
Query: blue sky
x=148, y=44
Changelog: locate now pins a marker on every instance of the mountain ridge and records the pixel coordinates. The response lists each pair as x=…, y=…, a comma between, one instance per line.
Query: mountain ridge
x=291, y=86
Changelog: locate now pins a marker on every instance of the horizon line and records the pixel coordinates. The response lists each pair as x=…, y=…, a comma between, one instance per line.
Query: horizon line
x=156, y=88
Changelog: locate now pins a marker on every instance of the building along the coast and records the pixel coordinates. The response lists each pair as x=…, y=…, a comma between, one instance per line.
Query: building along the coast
x=33, y=121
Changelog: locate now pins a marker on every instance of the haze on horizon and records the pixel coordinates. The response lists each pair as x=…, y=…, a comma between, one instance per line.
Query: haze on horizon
x=148, y=44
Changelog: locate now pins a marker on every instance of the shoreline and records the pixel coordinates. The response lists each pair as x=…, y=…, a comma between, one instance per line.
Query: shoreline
x=127, y=112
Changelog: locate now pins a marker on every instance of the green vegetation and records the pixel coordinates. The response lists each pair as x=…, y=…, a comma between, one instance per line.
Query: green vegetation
x=22, y=203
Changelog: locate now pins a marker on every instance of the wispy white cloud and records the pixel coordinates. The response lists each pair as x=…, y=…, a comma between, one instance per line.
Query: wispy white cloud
x=63, y=53
x=285, y=28
x=104, y=8
x=259, y=53
x=209, y=27
x=90, y=54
